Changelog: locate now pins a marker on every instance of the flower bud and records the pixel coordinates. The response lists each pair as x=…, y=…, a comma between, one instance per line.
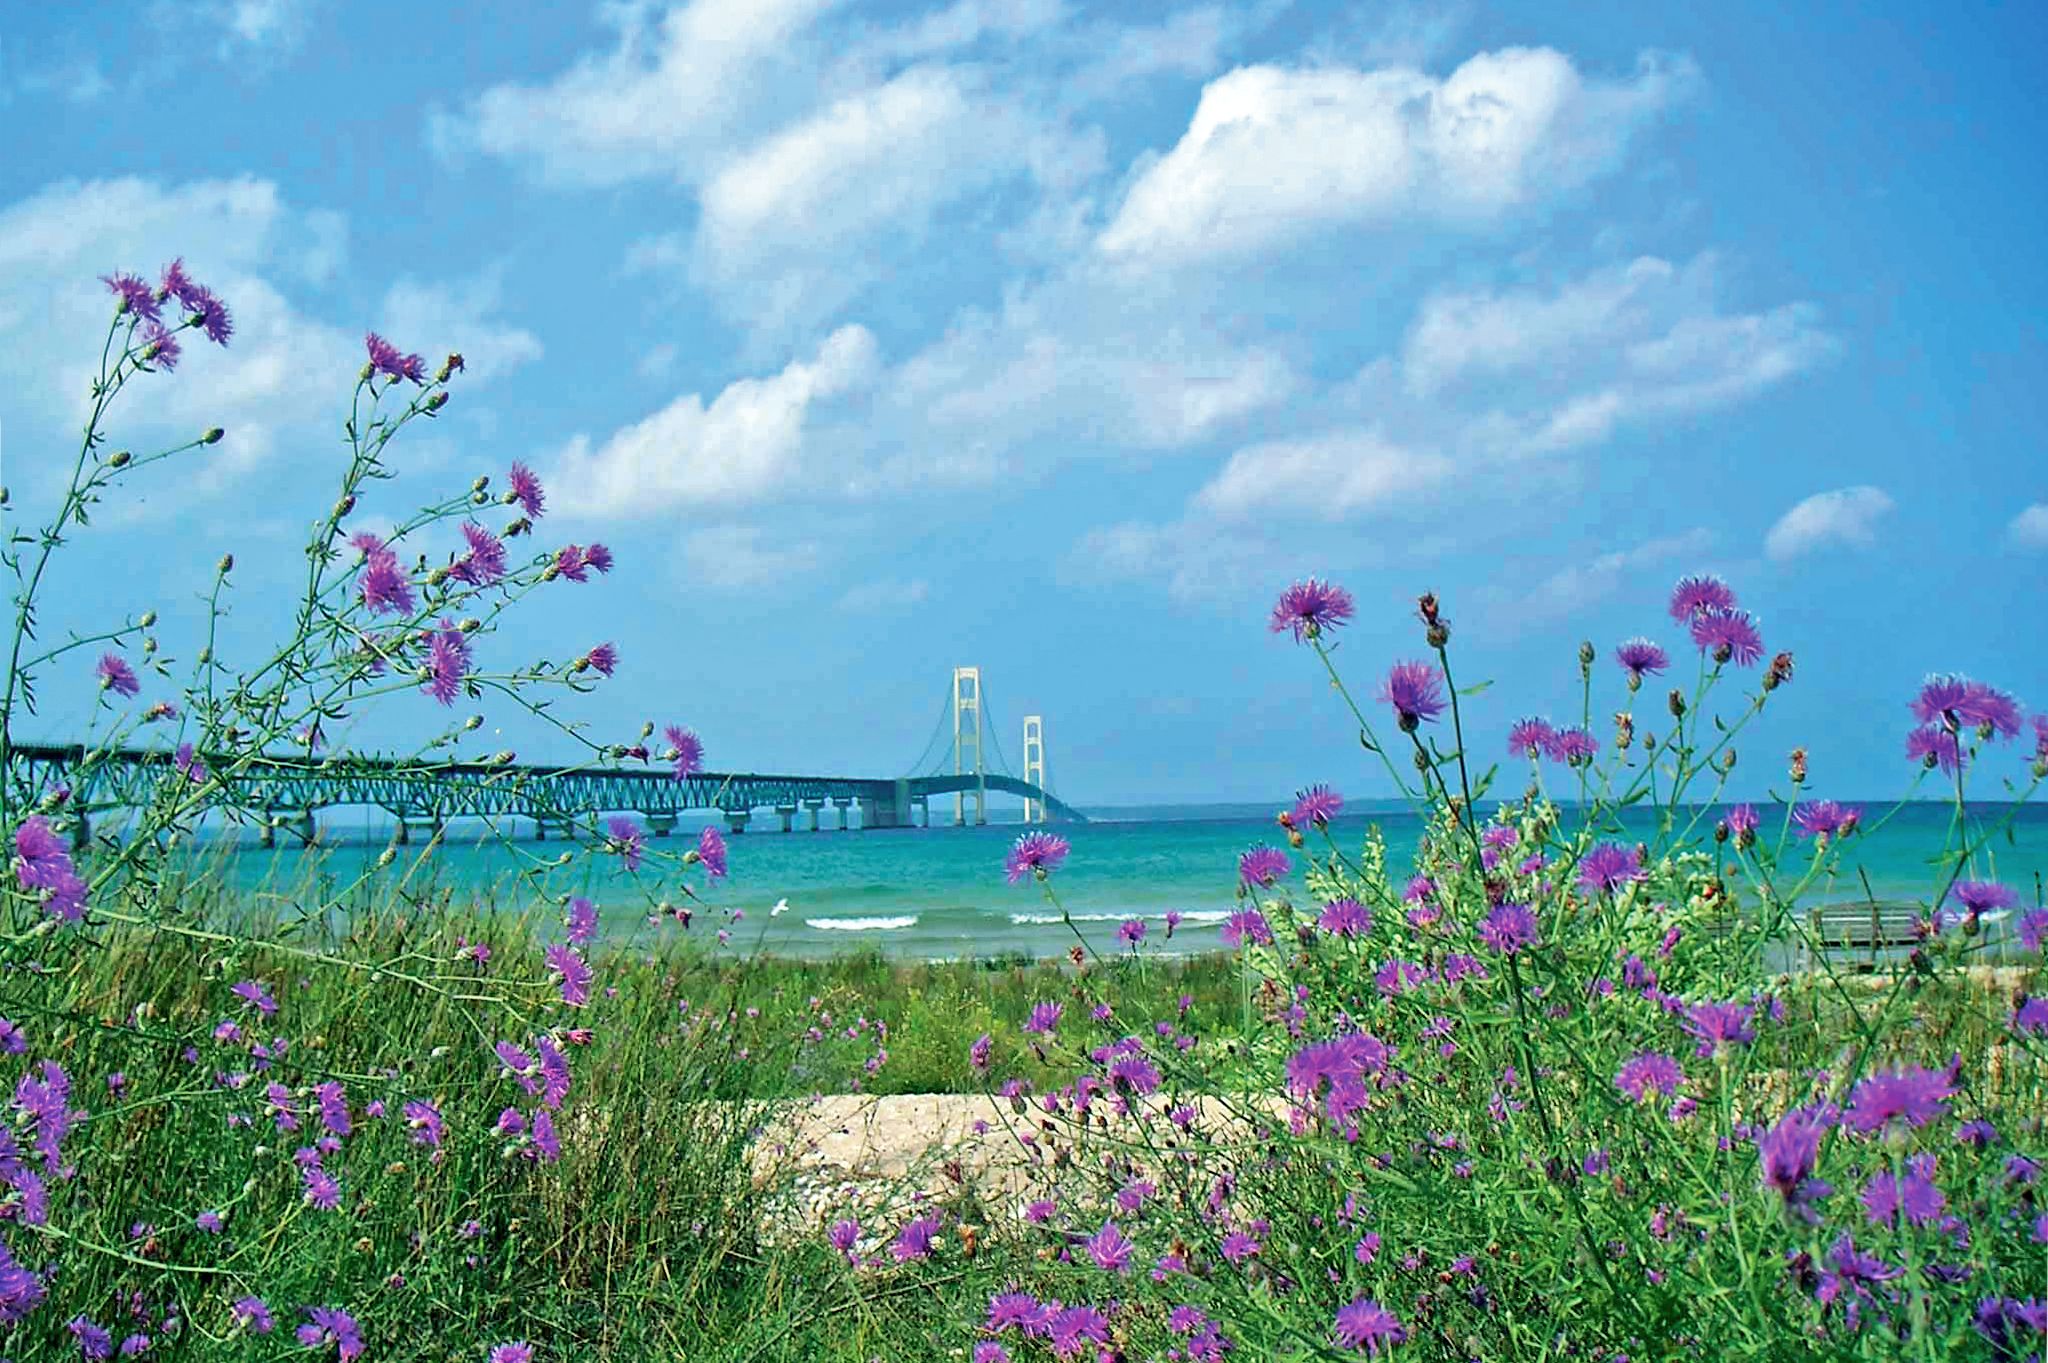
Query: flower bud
x=473, y=723
x=438, y=400
x=119, y=459
x=438, y=575
x=479, y=498
x=518, y=528
x=149, y=645
x=1586, y=656
x=1798, y=766
x=227, y=564
x=205, y=656
x=1438, y=634
x=452, y=365
x=1676, y=700
x=483, y=480
x=1721, y=831
x=212, y=437
x=470, y=624
x=647, y=730
x=1728, y=760
x=1624, y=729
x=1421, y=757
x=3, y=496
x=148, y=619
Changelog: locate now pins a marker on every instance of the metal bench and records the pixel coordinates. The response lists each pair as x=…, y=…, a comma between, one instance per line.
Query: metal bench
x=1872, y=926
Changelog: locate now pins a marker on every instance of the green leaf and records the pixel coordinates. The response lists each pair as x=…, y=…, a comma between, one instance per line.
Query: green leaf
x=1475, y=688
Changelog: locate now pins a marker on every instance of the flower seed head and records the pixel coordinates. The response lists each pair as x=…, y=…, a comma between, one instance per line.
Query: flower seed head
x=212, y=437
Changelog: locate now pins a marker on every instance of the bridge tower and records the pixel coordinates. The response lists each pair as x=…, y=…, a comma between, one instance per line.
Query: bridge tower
x=1034, y=765
x=967, y=743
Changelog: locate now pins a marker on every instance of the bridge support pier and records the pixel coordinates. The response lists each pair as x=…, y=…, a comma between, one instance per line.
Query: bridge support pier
x=811, y=808
x=788, y=813
x=431, y=826
x=661, y=825
x=266, y=832
x=306, y=827
x=841, y=803
x=736, y=820
x=922, y=806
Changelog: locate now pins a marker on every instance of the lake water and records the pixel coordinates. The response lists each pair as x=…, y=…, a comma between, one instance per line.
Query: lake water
x=940, y=892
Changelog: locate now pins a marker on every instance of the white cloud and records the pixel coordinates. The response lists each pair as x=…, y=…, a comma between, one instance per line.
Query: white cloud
x=657, y=363
x=1845, y=516
x=745, y=447
x=1330, y=477
x=887, y=594
x=732, y=557
x=2029, y=529
x=437, y=318
x=1491, y=333
x=1576, y=586
x=1274, y=153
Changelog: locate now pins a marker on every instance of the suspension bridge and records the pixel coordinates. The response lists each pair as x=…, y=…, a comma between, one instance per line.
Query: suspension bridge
x=288, y=792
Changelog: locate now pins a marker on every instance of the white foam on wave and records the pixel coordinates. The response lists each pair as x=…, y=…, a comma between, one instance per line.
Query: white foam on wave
x=864, y=924
x=1187, y=916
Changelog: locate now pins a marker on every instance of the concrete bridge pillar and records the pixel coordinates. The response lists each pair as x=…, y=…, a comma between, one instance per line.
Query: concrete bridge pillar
x=811, y=808
x=266, y=832
x=662, y=825
x=542, y=824
x=840, y=803
x=430, y=825
x=736, y=820
x=923, y=806
x=307, y=827
x=788, y=812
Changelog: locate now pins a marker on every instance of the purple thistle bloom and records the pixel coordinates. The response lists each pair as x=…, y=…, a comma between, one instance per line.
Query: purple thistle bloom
x=1131, y=931
x=554, y=1072
x=1788, y=1150
x=447, y=663
x=175, y=283
x=188, y=765
x=333, y=1103
x=1108, y=1247
x=2030, y=1016
x=1825, y=818
x=547, y=1145
x=573, y=973
x=1719, y=1024
x=385, y=358
x=423, y=1120
x=1045, y=1017
x=384, y=584
x=1074, y=1327
x=1014, y=1310
x=1885, y=1197
x=1308, y=608
x=1336, y=1071
x=93, y=1341
x=526, y=490
x=1693, y=595
x=1345, y=918
x=136, y=296
x=1933, y=745
x=1247, y=924
x=978, y=1053
x=1415, y=691
x=256, y=996
x=688, y=749
x=516, y=1351
x=42, y=862
x=1982, y=896
x=2033, y=929
x=213, y=315
x=1530, y=737
x=1035, y=854
x=2010, y=1326
x=1607, y=866
x=711, y=852
x=914, y=1241
x=485, y=561
x=1262, y=866
x=1968, y=704
x=1728, y=634
x=115, y=675
x=331, y=1326
x=1916, y=1095
x=1238, y=1247
x=12, y=1042
x=598, y=557
x=160, y=347
x=323, y=1190
x=1640, y=657
x=1365, y=1325
x=570, y=563
x=627, y=839
x=604, y=658
x=1134, y=1074
x=1647, y=1074
x=1508, y=928
x=1742, y=819
x=844, y=1235
x=1317, y=805
x=1573, y=747
x=582, y=920
x=253, y=1315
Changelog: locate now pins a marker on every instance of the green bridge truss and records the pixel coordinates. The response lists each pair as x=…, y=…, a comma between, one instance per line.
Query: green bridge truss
x=277, y=787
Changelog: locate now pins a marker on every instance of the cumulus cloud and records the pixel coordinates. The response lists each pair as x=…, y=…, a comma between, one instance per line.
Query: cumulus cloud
x=745, y=447
x=732, y=557
x=1274, y=153
x=2029, y=529
x=1844, y=516
x=1334, y=476
x=1576, y=586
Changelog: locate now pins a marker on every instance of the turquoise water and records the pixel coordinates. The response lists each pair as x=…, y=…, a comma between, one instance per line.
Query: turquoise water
x=940, y=892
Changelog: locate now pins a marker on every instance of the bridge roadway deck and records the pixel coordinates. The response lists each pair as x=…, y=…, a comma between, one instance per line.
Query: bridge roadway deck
x=106, y=779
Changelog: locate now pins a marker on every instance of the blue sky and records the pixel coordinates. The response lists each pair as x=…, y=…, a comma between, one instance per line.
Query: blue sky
x=1057, y=338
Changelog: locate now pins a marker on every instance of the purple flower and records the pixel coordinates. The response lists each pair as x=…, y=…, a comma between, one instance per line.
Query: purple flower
x=42, y=863
x=1825, y=819
x=978, y=1053
x=1934, y=746
x=1719, y=1024
x=329, y=1326
x=711, y=852
x=1693, y=595
x=627, y=840
x=1317, y=805
x=582, y=920
x=12, y=1042
x=1508, y=928
x=1607, y=866
x=2033, y=929
x=2010, y=1326
x=1640, y=657
x=333, y=1104
x=572, y=972
x=605, y=658
x=1238, y=1247
x=1649, y=1073
x=423, y=1121
x=135, y=295
x=1134, y=1074
x=1262, y=865
x=517, y=1351
x=1955, y=699
x=1336, y=1071
x=386, y=359
x=989, y=1351
x=570, y=563
x=323, y=1190
x=175, y=283
x=1982, y=896
x=254, y=994
x=1885, y=1197
x=93, y=1342
x=1787, y=1152
x=1247, y=924
x=1573, y=747
x=1742, y=820
x=526, y=490
x=1109, y=1249
x=485, y=561
x=160, y=347
x=1131, y=931
x=2030, y=1016
x=212, y=314
x=115, y=675
x=1366, y=1325
x=1916, y=1095
x=188, y=765
x=598, y=557
x=253, y=1315
x=1308, y=608
x=1045, y=1017
x=843, y=1235
x=686, y=749
x=1530, y=737
x=914, y=1241
x=447, y=663
x=1035, y=854
x=1415, y=691
x=1728, y=634
x=547, y=1146
x=1345, y=918
x=1070, y=1329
